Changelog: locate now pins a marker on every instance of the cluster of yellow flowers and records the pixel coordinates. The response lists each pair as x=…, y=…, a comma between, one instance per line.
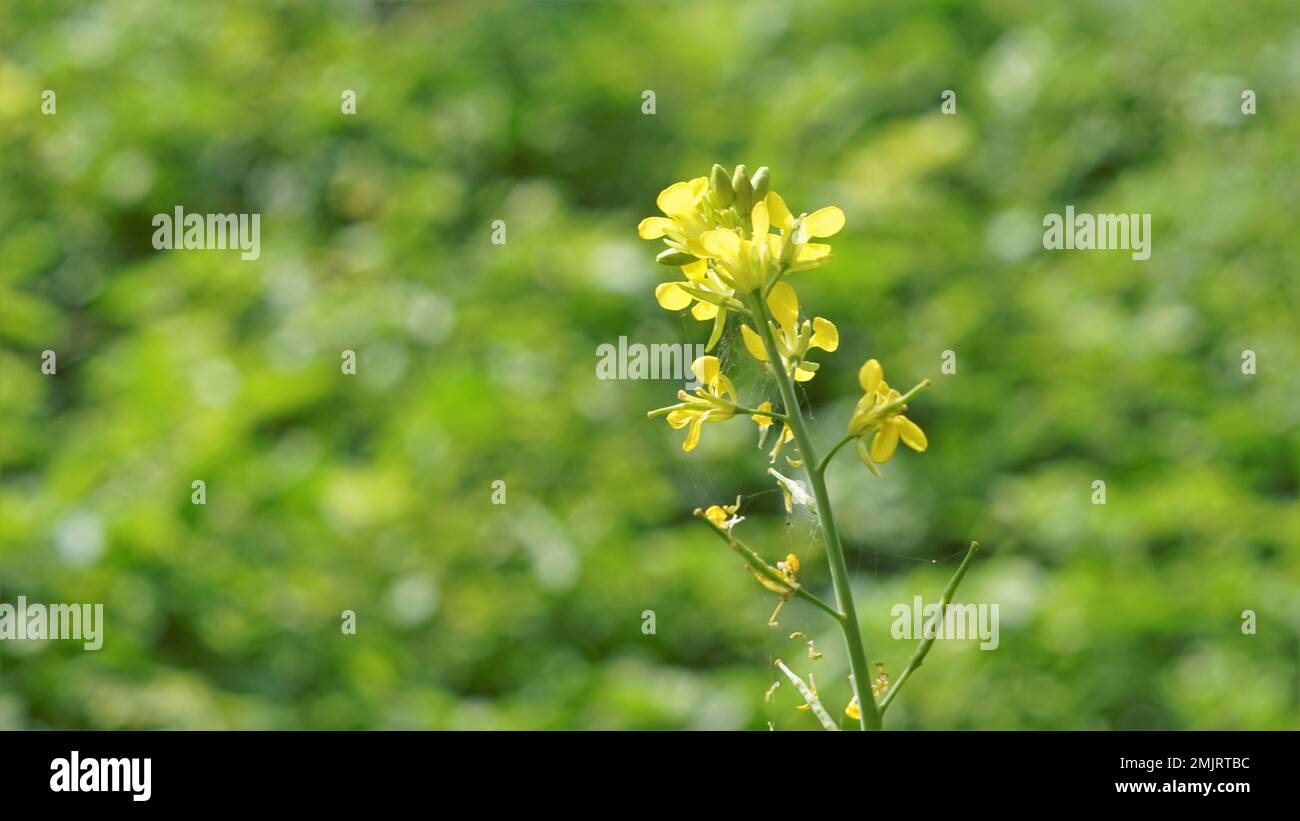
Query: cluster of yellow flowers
x=718, y=230
x=731, y=235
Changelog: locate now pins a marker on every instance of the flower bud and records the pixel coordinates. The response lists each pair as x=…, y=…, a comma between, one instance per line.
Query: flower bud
x=723, y=196
x=762, y=183
x=743, y=189
x=671, y=256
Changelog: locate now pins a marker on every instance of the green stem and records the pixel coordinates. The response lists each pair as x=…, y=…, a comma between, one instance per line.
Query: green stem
x=927, y=641
x=826, y=460
x=756, y=412
x=736, y=410
x=830, y=536
x=759, y=566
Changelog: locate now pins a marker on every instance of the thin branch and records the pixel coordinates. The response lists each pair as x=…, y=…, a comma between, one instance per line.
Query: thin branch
x=928, y=636
x=826, y=460
x=766, y=570
x=757, y=412
x=904, y=399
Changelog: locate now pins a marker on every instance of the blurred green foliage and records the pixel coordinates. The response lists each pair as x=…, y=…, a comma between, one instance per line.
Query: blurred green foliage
x=372, y=492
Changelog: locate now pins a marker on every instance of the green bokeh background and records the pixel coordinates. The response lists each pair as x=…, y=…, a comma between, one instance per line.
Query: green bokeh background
x=372, y=492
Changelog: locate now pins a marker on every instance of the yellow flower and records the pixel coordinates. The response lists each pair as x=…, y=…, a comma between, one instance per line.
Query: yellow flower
x=692, y=207
x=794, y=249
x=794, y=339
x=688, y=215
x=705, y=219
x=699, y=277
x=743, y=264
x=709, y=297
x=891, y=430
x=878, y=409
x=714, y=401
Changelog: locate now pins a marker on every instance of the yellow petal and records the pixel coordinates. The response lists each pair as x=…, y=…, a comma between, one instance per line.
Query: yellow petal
x=677, y=199
x=853, y=711
x=813, y=251
x=671, y=297
x=885, y=442
x=704, y=310
x=778, y=213
x=679, y=418
x=696, y=270
x=824, y=222
x=706, y=369
x=792, y=561
x=758, y=218
x=723, y=387
x=653, y=227
x=693, y=434
x=753, y=343
x=871, y=375
x=801, y=375
x=721, y=243
x=784, y=303
x=825, y=335
x=763, y=421
x=746, y=272
x=912, y=434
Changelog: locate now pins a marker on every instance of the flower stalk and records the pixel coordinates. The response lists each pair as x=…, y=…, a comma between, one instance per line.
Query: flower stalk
x=928, y=634
x=766, y=570
x=735, y=241
x=870, y=716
